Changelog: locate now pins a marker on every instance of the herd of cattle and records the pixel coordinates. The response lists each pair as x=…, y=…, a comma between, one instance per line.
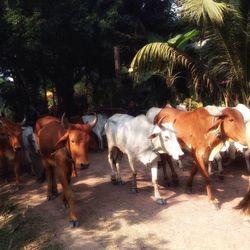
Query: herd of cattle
x=163, y=134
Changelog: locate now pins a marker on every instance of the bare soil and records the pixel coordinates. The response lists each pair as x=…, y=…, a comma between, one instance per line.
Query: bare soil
x=113, y=218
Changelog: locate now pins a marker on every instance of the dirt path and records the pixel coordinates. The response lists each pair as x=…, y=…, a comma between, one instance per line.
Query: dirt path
x=112, y=218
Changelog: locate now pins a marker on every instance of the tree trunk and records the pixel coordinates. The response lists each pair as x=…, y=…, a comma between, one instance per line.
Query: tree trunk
x=65, y=98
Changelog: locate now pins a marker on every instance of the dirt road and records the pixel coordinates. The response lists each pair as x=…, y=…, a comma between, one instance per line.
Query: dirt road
x=112, y=218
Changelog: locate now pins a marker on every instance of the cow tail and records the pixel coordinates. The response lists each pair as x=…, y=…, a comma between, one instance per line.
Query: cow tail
x=244, y=204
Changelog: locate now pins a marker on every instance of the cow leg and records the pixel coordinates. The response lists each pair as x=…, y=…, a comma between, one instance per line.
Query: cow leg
x=244, y=204
x=190, y=179
x=174, y=175
x=29, y=161
x=113, y=169
x=134, y=174
x=5, y=168
x=210, y=167
x=218, y=159
x=54, y=184
x=101, y=144
x=157, y=195
x=118, y=176
x=68, y=196
x=50, y=185
x=68, y=174
x=114, y=157
x=162, y=164
x=203, y=171
x=17, y=173
x=247, y=159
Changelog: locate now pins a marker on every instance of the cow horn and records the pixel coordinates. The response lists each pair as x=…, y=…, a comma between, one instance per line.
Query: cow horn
x=93, y=123
x=22, y=122
x=64, y=121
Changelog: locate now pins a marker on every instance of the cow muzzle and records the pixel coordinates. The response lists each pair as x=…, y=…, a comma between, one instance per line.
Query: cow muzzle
x=17, y=148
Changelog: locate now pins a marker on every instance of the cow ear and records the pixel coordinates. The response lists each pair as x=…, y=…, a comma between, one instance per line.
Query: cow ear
x=64, y=122
x=216, y=126
x=62, y=141
x=156, y=131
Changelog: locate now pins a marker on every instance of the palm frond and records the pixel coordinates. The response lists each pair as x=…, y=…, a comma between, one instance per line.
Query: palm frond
x=158, y=58
x=205, y=11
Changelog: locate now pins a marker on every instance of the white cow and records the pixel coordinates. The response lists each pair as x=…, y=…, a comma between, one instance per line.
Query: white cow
x=141, y=141
x=98, y=129
x=29, y=146
x=151, y=113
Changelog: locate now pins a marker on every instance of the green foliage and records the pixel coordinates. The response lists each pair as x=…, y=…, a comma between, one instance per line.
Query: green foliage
x=192, y=104
x=181, y=40
x=220, y=55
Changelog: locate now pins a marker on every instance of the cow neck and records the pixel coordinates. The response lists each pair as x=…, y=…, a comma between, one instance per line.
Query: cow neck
x=66, y=150
x=217, y=134
x=157, y=149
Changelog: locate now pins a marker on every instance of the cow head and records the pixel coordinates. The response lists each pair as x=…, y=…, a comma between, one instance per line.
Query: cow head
x=77, y=139
x=234, y=127
x=13, y=132
x=164, y=138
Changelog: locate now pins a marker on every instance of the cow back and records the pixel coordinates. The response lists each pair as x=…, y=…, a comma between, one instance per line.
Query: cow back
x=45, y=121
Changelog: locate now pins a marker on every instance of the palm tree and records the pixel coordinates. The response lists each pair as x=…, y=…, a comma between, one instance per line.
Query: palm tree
x=221, y=65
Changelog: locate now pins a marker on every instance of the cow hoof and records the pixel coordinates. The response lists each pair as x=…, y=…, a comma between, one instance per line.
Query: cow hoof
x=74, y=223
x=120, y=182
x=216, y=205
x=167, y=183
x=246, y=222
x=134, y=191
x=65, y=205
x=176, y=182
x=114, y=182
x=189, y=190
x=83, y=166
x=51, y=197
x=160, y=201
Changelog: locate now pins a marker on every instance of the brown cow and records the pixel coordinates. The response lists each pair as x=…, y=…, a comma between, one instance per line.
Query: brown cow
x=48, y=119
x=43, y=121
x=203, y=134
x=10, y=147
x=62, y=144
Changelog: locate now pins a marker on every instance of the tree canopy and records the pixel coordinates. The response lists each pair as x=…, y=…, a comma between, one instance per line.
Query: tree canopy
x=54, y=45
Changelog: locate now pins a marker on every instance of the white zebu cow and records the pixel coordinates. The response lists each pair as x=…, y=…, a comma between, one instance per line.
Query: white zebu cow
x=98, y=129
x=29, y=146
x=141, y=141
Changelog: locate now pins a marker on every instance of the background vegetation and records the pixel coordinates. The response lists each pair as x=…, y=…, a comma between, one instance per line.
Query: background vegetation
x=60, y=54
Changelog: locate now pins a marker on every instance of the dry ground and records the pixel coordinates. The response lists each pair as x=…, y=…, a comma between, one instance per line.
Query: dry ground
x=112, y=218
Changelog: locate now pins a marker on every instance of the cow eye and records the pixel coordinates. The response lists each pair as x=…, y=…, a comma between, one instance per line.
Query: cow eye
x=72, y=141
x=167, y=137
